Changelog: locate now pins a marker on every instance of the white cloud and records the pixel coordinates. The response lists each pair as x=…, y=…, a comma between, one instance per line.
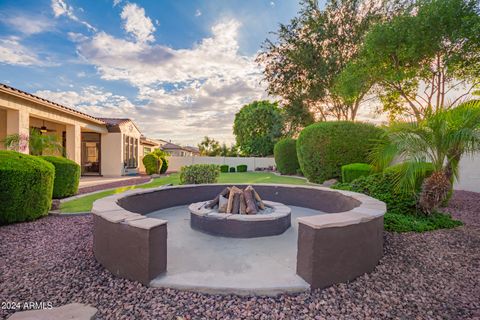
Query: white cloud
x=61, y=8
x=29, y=25
x=136, y=23
x=198, y=13
x=184, y=93
x=91, y=100
x=13, y=52
x=116, y=2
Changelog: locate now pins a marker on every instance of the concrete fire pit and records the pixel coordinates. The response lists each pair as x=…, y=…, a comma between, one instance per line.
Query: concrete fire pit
x=210, y=221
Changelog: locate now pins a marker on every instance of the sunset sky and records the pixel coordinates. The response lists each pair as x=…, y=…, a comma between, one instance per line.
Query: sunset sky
x=179, y=69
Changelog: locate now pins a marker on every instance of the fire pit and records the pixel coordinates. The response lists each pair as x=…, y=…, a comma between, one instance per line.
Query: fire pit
x=238, y=213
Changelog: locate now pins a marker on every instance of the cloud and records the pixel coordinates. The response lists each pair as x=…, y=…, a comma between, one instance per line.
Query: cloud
x=28, y=25
x=91, y=100
x=183, y=94
x=116, y=2
x=198, y=13
x=61, y=8
x=13, y=52
x=136, y=23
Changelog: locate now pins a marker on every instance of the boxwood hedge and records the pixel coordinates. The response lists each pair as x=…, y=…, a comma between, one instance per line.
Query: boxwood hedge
x=242, y=168
x=26, y=187
x=67, y=176
x=224, y=168
x=285, y=152
x=353, y=171
x=153, y=164
x=324, y=147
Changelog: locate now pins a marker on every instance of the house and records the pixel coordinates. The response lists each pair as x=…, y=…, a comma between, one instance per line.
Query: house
x=101, y=146
x=175, y=149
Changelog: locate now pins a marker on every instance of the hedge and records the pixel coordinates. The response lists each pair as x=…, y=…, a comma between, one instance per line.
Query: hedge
x=353, y=171
x=232, y=169
x=199, y=173
x=26, y=187
x=285, y=152
x=224, y=168
x=67, y=176
x=402, y=214
x=153, y=164
x=324, y=147
x=164, y=166
x=242, y=168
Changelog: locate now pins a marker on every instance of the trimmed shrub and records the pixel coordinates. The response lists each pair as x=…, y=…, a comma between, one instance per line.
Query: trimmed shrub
x=324, y=147
x=242, y=168
x=164, y=165
x=26, y=187
x=224, y=168
x=353, y=171
x=67, y=176
x=152, y=163
x=285, y=152
x=199, y=173
x=232, y=169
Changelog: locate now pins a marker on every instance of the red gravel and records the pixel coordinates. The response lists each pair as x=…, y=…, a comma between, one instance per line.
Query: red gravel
x=116, y=184
x=433, y=275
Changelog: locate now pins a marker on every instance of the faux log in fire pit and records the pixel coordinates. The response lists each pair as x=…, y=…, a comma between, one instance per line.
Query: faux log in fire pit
x=238, y=213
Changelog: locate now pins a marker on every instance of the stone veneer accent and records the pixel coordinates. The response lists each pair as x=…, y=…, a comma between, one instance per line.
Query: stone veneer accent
x=332, y=248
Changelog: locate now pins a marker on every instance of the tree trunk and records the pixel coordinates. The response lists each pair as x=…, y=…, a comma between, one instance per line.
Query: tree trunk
x=435, y=190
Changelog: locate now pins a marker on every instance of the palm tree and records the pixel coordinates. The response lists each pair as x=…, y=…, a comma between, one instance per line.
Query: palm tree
x=38, y=143
x=441, y=139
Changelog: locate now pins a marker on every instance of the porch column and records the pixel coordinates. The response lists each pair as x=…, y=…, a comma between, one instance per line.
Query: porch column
x=73, y=141
x=18, y=122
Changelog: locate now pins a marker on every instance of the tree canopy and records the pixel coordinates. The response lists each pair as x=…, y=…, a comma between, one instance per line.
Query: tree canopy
x=257, y=128
x=424, y=59
x=302, y=65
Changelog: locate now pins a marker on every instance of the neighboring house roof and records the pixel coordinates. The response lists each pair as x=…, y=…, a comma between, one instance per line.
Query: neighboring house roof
x=113, y=124
x=28, y=96
x=192, y=149
x=172, y=146
x=148, y=142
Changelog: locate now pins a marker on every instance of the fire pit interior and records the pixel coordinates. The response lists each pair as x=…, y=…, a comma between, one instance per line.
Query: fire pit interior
x=240, y=213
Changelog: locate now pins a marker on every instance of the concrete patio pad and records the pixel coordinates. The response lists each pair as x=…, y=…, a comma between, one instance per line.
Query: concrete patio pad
x=210, y=264
x=89, y=181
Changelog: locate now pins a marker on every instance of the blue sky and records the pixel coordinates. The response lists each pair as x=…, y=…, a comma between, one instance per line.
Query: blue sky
x=180, y=69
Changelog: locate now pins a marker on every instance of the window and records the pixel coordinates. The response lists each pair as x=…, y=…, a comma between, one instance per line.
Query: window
x=147, y=150
x=130, y=148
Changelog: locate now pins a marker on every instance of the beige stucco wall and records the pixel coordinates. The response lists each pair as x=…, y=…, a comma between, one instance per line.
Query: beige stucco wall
x=3, y=127
x=111, y=154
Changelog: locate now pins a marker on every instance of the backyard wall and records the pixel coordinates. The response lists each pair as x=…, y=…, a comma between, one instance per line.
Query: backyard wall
x=469, y=167
x=175, y=163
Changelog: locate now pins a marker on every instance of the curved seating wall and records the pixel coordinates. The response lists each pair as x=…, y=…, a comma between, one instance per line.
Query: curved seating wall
x=332, y=248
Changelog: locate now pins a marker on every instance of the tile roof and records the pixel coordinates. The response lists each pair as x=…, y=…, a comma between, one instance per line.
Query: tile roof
x=29, y=96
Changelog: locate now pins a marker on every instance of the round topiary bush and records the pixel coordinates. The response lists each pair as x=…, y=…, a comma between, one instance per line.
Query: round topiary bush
x=324, y=147
x=26, y=186
x=67, y=176
x=224, y=168
x=164, y=166
x=285, y=152
x=152, y=163
x=232, y=169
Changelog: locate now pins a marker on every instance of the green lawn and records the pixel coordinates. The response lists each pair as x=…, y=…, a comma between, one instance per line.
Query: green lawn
x=84, y=204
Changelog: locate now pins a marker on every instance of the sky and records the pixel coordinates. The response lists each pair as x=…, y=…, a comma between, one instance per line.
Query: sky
x=180, y=69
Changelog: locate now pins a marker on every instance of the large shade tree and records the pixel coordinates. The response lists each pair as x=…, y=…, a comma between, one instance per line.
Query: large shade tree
x=257, y=127
x=425, y=59
x=302, y=64
x=442, y=139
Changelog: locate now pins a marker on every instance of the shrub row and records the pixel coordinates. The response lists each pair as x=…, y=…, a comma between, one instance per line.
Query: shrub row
x=240, y=168
x=199, y=173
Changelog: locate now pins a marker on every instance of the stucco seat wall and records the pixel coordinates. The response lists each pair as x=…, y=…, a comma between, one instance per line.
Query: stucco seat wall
x=334, y=247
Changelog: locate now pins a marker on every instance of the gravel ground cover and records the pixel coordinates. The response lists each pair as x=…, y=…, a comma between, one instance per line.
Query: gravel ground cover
x=116, y=184
x=434, y=275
